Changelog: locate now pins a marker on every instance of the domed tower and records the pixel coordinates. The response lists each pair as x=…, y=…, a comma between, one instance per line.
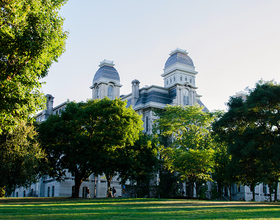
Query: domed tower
x=106, y=81
x=179, y=77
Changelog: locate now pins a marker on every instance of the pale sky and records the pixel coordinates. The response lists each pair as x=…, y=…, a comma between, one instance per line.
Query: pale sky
x=233, y=44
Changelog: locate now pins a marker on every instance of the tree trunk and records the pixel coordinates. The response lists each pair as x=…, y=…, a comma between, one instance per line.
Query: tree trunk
x=78, y=182
x=191, y=185
x=275, y=194
x=253, y=191
x=270, y=192
x=109, y=179
x=219, y=189
x=230, y=193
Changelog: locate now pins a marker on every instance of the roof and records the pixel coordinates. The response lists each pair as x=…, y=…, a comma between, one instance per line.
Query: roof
x=106, y=70
x=156, y=96
x=179, y=56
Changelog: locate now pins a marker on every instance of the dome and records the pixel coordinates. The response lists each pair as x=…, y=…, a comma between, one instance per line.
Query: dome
x=179, y=56
x=106, y=70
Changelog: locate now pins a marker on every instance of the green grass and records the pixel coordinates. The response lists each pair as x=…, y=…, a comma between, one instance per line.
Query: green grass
x=122, y=208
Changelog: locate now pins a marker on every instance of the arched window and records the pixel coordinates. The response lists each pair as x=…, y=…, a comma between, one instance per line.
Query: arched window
x=186, y=79
x=97, y=93
x=110, y=92
x=181, y=78
x=52, y=191
x=186, y=97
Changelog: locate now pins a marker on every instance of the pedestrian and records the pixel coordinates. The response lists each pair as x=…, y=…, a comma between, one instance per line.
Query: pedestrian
x=88, y=192
x=109, y=192
x=114, y=192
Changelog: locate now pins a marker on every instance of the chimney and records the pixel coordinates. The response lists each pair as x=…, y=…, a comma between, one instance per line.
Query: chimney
x=49, y=104
x=135, y=91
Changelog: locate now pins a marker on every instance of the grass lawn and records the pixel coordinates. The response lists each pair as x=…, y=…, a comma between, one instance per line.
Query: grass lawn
x=124, y=208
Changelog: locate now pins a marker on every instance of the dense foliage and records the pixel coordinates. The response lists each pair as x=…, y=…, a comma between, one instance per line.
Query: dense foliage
x=189, y=149
x=251, y=130
x=20, y=157
x=31, y=38
x=86, y=138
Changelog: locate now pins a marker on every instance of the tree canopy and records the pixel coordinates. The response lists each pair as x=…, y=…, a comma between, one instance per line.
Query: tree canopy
x=86, y=136
x=251, y=130
x=31, y=39
x=189, y=149
x=20, y=157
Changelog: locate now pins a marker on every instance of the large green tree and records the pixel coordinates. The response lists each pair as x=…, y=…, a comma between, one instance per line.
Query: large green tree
x=190, y=147
x=31, y=38
x=86, y=136
x=251, y=130
x=20, y=157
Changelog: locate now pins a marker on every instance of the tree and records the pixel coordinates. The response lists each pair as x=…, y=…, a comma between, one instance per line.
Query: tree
x=20, y=156
x=190, y=152
x=222, y=173
x=251, y=130
x=86, y=135
x=139, y=163
x=31, y=38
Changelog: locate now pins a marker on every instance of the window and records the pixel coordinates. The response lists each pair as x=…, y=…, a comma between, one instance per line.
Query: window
x=73, y=190
x=110, y=92
x=97, y=93
x=238, y=188
x=186, y=100
x=48, y=195
x=181, y=78
x=167, y=82
x=174, y=79
x=24, y=193
x=147, y=123
x=264, y=189
x=190, y=80
x=52, y=191
x=16, y=194
x=170, y=80
x=186, y=79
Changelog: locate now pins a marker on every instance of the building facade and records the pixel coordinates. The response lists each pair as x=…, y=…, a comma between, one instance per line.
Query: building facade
x=179, y=88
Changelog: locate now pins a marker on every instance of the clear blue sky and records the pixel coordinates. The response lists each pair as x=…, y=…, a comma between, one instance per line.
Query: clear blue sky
x=233, y=44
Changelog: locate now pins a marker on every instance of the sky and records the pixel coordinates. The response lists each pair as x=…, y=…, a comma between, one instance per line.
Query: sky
x=233, y=44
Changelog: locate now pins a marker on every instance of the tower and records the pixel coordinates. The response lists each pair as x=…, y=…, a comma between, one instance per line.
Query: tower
x=106, y=81
x=179, y=77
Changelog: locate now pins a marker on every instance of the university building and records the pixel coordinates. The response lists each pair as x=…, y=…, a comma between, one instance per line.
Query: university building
x=179, y=88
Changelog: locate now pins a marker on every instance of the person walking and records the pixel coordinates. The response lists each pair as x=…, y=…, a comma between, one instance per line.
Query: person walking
x=114, y=192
